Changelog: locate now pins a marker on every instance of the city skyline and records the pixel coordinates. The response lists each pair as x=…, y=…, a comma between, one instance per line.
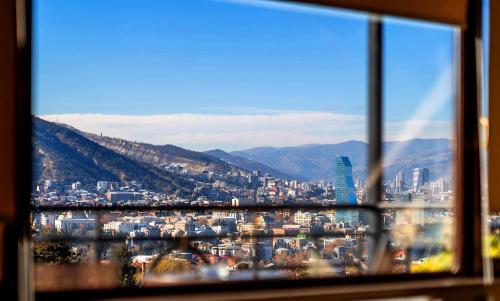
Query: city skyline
x=211, y=203
x=282, y=90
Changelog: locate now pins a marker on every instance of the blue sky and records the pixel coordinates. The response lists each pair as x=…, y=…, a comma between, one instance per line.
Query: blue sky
x=486, y=54
x=202, y=73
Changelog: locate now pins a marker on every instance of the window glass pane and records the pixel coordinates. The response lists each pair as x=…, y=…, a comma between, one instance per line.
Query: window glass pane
x=493, y=237
x=419, y=144
x=205, y=105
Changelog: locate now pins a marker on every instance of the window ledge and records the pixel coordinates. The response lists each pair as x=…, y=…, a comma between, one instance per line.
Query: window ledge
x=446, y=288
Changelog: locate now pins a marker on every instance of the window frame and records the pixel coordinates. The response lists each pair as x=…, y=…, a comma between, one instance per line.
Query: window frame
x=467, y=15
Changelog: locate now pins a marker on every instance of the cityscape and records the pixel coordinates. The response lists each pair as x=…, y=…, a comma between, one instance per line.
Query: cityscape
x=187, y=141
x=205, y=232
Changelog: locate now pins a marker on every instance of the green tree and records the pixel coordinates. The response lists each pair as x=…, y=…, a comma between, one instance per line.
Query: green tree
x=126, y=273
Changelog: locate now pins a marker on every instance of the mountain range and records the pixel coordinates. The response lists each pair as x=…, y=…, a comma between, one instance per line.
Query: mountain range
x=62, y=154
x=162, y=155
x=248, y=164
x=66, y=154
x=317, y=161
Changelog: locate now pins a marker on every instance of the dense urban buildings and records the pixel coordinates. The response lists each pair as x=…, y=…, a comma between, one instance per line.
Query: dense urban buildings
x=293, y=242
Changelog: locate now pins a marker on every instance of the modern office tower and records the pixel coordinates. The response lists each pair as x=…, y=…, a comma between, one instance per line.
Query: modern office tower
x=420, y=177
x=425, y=176
x=417, y=180
x=345, y=192
x=400, y=184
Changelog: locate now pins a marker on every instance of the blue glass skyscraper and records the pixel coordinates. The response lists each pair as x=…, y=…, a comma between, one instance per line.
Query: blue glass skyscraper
x=345, y=192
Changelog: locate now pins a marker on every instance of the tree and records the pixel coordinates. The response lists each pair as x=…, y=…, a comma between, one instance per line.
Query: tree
x=172, y=265
x=55, y=253
x=494, y=249
x=126, y=273
x=440, y=262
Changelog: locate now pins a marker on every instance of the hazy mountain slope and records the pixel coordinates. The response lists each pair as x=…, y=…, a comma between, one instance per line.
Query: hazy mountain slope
x=309, y=162
x=215, y=160
x=162, y=154
x=60, y=145
x=435, y=154
x=317, y=161
x=65, y=155
x=247, y=164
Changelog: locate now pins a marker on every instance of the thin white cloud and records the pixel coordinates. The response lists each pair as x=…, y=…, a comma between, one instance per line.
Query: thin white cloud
x=266, y=128
x=225, y=131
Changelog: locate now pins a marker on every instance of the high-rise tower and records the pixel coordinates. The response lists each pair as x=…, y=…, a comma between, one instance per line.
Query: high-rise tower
x=345, y=192
x=399, y=182
x=420, y=177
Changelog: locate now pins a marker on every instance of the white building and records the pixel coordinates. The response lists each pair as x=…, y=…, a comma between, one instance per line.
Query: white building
x=225, y=250
x=76, y=185
x=440, y=186
x=237, y=202
x=68, y=223
x=102, y=185
x=118, y=227
x=48, y=218
x=224, y=214
x=303, y=218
